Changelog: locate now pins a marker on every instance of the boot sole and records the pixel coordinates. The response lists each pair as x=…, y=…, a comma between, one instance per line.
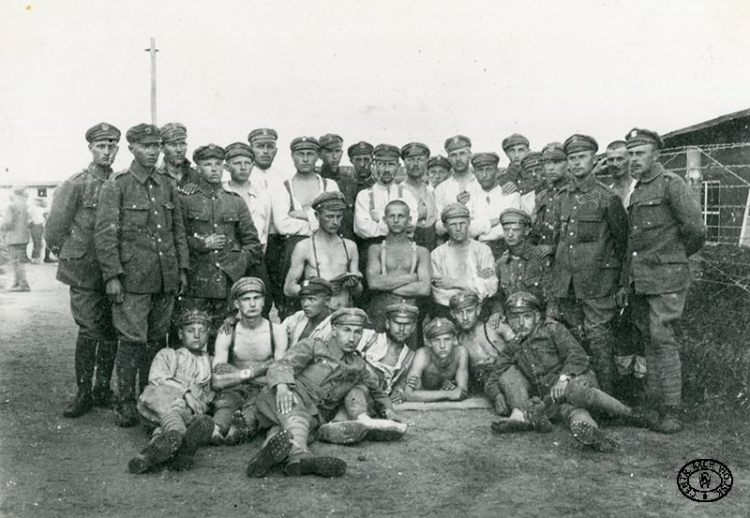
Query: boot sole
x=274, y=452
x=198, y=433
x=162, y=448
x=353, y=432
x=589, y=435
x=327, y=467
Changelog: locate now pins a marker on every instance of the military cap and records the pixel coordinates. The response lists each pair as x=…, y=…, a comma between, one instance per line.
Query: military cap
x=360, y=148
x=578, y=142
x=349, y=316
x=415, y=148
x=238, y=149
x=638, y=137
x=386, y=152
x=515, y=140
x=454, y=210
x=554, y=151
x=520, y=302
x=532, y=159
x=463, y=298
x=484, y=159
x=302, y=143
x=439, y=326
x=439, y=161
x=208, y=151
x=315, y=286
x=513, y=215
x=247, y=285
x=193, y=316
x=330, y=140
x=457, y=142
x=329, y=201
x=102, y=131
x=402, y=309
x=173, y=131
x=262, y=135
x=143, y=134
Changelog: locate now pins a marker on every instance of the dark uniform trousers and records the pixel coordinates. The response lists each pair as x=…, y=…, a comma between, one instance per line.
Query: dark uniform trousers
x=666, y=227
x=69, y=232
x=140, y=239
x=591, y=234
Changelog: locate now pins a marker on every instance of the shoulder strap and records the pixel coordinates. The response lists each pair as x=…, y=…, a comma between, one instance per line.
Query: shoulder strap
x=400, y=191
x=325, y=184
x=383, y=257
x=370, y=343
x=346, y=252
x=288, y=186
x=315, y=254
x=372, y=199
x=273, y=339
x=413, y=267
x=230, y=354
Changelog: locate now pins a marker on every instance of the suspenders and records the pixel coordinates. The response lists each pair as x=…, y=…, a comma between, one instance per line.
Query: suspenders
x=384, y=254
x=372, y=195
x=288, y=185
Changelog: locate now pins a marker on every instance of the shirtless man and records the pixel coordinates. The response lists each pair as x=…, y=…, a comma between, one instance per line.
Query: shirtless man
x=482, y=340
x=244, y=350
x=321, y=255
x=440, y=371
x=312, y=320
x=397, y=269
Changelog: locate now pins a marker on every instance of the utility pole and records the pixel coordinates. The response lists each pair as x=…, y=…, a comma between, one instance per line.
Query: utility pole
x=153, y=50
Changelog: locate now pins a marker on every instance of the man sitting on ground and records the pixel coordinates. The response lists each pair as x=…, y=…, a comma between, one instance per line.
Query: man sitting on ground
x=313, y=319
x=482, y=341
x=176, y=398
x=440, y=370
x=245, y=347
x=389, y=358
x=306, y=388
x=556, y=369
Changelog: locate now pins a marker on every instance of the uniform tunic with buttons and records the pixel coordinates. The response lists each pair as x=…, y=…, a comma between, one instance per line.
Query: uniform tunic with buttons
x=591, y=236
x=521, y=270
x=139, y=234
x=70, y=228
x=186, y=172
x=214, y=210
x=665, y=228
x=543, y=230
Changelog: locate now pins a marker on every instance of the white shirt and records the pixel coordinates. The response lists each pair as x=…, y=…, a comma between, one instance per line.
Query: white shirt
x=450, y=262
x=283, y=202
x=259, y=204
x=295, y=324
x=374, y=348
x=495, y=203
x=447, y=192
x=261, y=180
x=528, y=203
x=376, y=198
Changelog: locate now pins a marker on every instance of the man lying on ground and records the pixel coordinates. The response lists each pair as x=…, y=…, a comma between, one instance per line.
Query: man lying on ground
x=176, y=399
x=245, y=347
x=305, y=389
x=440, y=370
x=389, y=358
x=555, y=368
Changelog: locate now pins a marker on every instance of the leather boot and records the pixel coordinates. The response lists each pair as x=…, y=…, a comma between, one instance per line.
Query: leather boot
x=159, y=450
x=84, y=365
x=197, y=434
x=105, y=362
x=128, y=358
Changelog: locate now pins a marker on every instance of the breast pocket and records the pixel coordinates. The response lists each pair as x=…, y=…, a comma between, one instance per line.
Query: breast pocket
x=650, y=214
x=134, y=214
x=169, y=213
x=588, y=227
x=198, y=222
x=230, y=219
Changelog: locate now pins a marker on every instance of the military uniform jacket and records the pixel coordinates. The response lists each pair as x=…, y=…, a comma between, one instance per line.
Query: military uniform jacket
x=321, y=373
x=214, y=210
x=591, y=236
x=185, y=168
x=523, y=271
x=665, y=228
x=70, y=228
x=140, y=234
x=547, y=353
x=543, y=230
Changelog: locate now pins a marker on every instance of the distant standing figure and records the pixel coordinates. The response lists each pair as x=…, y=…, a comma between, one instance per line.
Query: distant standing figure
x=37, y=212
x=16, y=227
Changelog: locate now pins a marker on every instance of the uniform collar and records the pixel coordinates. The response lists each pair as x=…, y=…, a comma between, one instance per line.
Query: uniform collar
x=209, y=189
x=585, y=186
x=99, y=172
x=336, y=352
x=656, y=171
x=141, y=174
x=524, y=252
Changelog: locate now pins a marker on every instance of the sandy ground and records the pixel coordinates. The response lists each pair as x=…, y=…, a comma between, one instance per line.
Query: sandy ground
x=448, y=465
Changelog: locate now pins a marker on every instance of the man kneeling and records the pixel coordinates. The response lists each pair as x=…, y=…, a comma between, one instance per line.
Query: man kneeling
x=305, y=388
x=389, y=358
x=552, y=366
x=176, y=398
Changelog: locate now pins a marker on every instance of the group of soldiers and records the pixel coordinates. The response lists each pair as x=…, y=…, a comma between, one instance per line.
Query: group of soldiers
x=532, y=285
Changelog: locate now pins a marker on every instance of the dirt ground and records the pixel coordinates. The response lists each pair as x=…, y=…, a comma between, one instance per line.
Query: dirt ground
x=448, y=465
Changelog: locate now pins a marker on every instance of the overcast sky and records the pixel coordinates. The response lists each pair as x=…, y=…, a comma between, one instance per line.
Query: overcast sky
x=387, y=71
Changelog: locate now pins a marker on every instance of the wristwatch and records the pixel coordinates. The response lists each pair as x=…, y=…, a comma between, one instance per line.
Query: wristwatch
x=564, y=377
